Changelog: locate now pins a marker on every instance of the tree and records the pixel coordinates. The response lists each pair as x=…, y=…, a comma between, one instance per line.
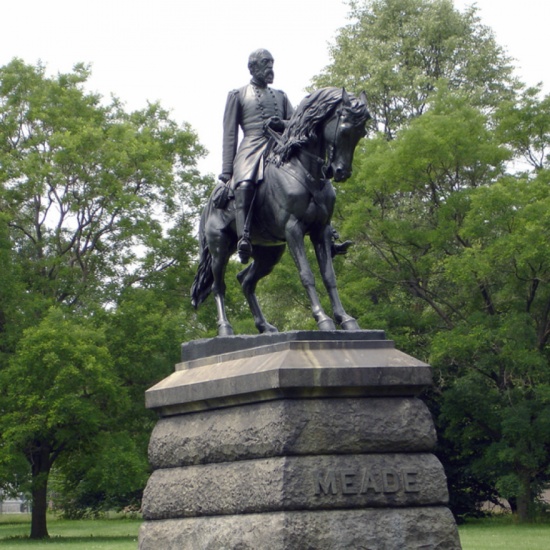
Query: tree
x=59, y=393
x=93, y=200
x=501, y=351
x=84, y=184
x=451, y=244
x=524, y=124
x=398, y=51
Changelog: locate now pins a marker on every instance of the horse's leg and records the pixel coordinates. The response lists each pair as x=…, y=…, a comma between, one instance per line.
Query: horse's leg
x=295, y=240
x=265, y=259
x=322, y=242
x=220, y=249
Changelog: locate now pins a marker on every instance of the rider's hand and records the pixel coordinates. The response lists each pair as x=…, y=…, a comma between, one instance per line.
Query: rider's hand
x=224, y=177
x=275, y=123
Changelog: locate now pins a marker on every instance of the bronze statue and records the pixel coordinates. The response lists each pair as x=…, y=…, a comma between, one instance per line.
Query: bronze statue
x=254, y=108
x=295, y=199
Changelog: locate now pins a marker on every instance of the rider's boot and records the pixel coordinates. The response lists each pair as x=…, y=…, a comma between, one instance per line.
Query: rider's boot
x=338, y=248
x=244, y=194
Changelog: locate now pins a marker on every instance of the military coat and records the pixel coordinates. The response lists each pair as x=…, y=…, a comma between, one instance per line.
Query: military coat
x=249, y=108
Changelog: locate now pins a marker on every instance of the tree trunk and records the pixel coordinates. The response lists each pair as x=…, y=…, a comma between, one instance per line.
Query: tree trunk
x=40, y=465
x=525, y=500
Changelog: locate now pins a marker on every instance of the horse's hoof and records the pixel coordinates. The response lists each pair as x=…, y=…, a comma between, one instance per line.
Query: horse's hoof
x=349, y=323
x=266, y=328
x=225, y=329
x=326, y=324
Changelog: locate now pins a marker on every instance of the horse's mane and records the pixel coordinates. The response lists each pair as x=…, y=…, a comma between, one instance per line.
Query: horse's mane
x=313, y=109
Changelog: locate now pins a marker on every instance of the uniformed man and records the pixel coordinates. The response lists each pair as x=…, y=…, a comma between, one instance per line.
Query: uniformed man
x=252, y=108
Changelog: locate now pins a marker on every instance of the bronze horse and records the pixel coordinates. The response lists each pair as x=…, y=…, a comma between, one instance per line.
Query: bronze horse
x=295, y=199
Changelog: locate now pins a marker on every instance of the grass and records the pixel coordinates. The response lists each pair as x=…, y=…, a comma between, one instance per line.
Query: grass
x=503, y=533
x=497, y=533
x=97, y=534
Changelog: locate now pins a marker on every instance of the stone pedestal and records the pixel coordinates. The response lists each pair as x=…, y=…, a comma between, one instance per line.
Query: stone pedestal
x=295, y=441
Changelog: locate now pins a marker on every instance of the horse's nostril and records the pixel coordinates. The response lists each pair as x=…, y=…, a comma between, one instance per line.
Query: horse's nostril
x=339, y=173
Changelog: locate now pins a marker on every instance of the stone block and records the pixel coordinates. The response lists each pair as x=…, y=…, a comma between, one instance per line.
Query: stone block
x=295, y=483
x=293, y=427
x=427, y=528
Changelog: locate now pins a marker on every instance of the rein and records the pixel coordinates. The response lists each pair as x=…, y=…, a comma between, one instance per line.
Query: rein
x=337, y=127
x=278, y=139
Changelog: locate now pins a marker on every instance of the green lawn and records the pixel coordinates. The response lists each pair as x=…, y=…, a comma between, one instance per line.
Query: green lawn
x=502, y=533
x=97, y=534
x=499, y=533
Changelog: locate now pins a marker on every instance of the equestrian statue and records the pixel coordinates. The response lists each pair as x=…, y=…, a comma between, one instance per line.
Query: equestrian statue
x=295, y=198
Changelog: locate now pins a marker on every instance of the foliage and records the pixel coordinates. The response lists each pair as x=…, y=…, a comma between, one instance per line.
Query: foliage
x=111, y=478
x=399, y=51
x=59, y=393
x=499, y=355
x=524, y=124
x=406, y=204
x=94, y=203
x=84, y=184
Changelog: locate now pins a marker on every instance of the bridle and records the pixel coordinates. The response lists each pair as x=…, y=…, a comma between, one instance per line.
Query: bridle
x=332, y=145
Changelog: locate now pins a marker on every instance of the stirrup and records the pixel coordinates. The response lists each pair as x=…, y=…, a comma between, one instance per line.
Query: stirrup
x=244, y=250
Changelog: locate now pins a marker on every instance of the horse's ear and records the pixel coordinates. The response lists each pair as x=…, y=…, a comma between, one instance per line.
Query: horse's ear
x=345, y=97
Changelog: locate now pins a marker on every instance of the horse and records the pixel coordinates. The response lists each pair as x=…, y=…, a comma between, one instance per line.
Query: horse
x=296, y=198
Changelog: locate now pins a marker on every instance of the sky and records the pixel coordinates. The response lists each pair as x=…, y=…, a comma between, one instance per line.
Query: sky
x=188, y=54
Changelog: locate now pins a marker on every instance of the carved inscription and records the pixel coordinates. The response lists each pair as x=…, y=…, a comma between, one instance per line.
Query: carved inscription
x=364, y=481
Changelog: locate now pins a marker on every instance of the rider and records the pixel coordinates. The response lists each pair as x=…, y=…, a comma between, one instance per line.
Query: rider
x=252, y=108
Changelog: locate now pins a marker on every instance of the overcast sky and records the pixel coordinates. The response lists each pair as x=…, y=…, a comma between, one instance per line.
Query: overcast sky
x=189, y=54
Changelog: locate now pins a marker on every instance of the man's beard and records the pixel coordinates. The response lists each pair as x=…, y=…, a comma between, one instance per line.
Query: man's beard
x=265, y=77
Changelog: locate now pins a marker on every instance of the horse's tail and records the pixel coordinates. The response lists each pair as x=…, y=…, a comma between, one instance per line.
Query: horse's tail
x=204, y=278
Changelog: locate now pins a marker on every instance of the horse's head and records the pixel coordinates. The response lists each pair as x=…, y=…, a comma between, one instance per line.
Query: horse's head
x=328, y=123
x=341, y=132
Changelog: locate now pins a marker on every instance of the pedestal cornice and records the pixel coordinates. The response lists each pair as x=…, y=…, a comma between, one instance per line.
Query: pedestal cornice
x=228, y=371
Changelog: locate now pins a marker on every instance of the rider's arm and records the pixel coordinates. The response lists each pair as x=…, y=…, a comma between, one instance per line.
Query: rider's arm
x=231, y=120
